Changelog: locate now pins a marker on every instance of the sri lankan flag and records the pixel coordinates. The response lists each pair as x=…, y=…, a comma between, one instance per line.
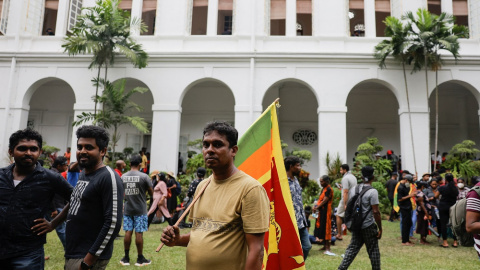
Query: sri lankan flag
x=395, y=197
x=260, y=156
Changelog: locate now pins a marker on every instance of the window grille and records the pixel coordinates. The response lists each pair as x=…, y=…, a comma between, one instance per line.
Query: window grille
x=4, y=16
x=75, y=11
x=34, y=18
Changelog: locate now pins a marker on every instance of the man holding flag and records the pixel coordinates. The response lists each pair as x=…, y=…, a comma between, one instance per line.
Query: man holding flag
x=231, y=216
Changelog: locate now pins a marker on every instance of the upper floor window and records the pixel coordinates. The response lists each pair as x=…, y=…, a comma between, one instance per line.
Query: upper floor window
x=149, y=14
x=4, y=7
x=460, y=11
x=382, y=11
x=435, y=6
x=225, y=17
x=74, y=11
x=278, y=15
x=50, y=17
x=304, y=17
x=199, y=17
x=33, y=23
x=126, y=5
x=357, y=18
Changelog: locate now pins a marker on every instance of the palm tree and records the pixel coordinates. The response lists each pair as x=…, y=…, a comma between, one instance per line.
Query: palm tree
x=398, y=46
x=116, y=103
x=104, y=31
x=430, y=34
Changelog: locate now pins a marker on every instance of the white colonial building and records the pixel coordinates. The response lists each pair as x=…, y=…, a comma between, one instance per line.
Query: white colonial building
x=229, y=59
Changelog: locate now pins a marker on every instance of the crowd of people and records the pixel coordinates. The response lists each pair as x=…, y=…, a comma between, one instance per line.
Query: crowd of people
x=87, y=202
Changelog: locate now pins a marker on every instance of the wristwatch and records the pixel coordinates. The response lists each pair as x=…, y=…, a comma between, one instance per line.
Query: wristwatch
x=85, y=266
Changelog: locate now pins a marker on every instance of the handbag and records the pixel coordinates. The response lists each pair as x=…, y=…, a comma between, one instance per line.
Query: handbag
x=169, y=193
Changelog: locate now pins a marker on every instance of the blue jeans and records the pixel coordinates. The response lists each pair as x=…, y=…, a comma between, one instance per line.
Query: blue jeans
x=414, y=222
x=305, y=240
x=34, y=260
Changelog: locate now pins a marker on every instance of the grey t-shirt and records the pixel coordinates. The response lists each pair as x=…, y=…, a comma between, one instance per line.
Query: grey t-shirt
x=369, y=198
x=349, y=181
x=136, y=185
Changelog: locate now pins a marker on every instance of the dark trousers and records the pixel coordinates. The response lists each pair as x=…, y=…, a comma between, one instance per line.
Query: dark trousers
x=444, y=218
x=367, y=236
x=406, y=224
x=393, y=213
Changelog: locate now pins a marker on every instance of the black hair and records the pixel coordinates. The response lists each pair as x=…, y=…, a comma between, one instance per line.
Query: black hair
x=325, y=178
x=135, y=160
x=421, y=184
x=100, y=134
x=291, y=161
x=451, y=184
x=449, y=177
x=162, y=177
x=201, y=172
x=345, y=167
x=28, y=134
x=223, y=128
x=61, y=160
x=367, y=173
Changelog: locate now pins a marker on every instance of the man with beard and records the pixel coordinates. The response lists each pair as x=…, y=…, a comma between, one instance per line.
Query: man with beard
x=95, y=214
x=293, y=168
x=231, y=217
x=26, y=192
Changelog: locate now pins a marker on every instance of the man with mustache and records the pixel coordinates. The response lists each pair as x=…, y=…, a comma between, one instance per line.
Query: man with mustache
x=95, y=212
x=232, y=215
x=26, y=193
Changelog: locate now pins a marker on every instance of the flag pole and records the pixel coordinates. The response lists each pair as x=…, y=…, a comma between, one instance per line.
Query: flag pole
x=186, y=211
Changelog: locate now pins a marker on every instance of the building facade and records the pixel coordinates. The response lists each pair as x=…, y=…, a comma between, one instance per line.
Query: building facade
x=229, y=59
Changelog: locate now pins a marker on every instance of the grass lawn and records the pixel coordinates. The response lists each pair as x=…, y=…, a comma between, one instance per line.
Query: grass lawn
x=393, y=255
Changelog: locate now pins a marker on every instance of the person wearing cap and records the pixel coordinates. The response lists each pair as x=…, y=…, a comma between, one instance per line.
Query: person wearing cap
x=425, y=177
x=371, y=230
x=393, y=159
x=390, y=186
x=403, y=199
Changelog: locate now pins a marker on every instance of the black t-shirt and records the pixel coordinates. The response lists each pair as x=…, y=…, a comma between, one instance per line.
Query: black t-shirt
x=390, y=185
x=449, y=195
x=403, y=191
x=95, y=215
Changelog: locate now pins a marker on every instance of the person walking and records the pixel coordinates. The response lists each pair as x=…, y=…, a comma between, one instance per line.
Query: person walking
x=159, y=205
x=371, y=230
x=26, y=192
x=349, y=181
x=136, y=184
x=231, y=217
x=323, y=224
x=95, y=212
x=293, y=168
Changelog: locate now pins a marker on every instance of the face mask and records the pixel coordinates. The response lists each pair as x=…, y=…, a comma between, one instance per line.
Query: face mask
x=460, y=185
x=407, y=184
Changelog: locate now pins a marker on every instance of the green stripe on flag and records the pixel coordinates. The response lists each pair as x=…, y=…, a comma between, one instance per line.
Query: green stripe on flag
x=257, y=135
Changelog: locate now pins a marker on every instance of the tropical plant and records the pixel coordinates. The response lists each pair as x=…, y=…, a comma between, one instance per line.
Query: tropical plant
x=104, y=31
x=49, y=153
x=430, y=34
x=398, y=46
x=310, y=193
x=459, y=160
x=333, y=166
x=304, y=155
x=367, y=156
x=116, y=106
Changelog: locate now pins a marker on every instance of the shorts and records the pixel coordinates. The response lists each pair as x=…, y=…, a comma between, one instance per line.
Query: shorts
x=341, y=209
x=139, y=223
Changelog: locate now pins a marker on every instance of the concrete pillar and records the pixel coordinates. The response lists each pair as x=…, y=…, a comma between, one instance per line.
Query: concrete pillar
x=330, y=18
x=136, y=14
x=332, y=134
x=413, y=5
x=370, y=22
x=243, y=17
x=447, y=6
x=421, y=130
x=171, y=18
x=291, y=18
x=212, y=18
x=165, y=144
x=62, y=18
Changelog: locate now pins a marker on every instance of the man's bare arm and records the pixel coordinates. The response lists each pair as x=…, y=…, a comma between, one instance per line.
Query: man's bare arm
x=472, y=222
x=345, y=197
x=378, y=219
x=171, y=237
x=255, y=251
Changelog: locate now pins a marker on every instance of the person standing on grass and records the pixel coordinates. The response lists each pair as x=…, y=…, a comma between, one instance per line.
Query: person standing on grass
x=390, y=185
x=449, y=194
x=349, y=181
x=95, y=213
x=323, y=224
x=231, y=217
x=293, y=168
x=136, y=185
x=472, y=219
x=403, y=199
x=371, y=230
x=424, y=212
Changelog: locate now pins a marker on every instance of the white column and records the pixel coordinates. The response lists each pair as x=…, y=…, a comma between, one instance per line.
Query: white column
x=332, y=134
x=171, y=17
x=212, y=18
x=88, y=3
x=137, y=6
x=447, y=6
x=243, y=17
x=370, y=22
x=291, y=18
x=16, y=16
x=164, y=147
x=62, y=18
x=413, y=5
x=421, y=131
x=330, y=18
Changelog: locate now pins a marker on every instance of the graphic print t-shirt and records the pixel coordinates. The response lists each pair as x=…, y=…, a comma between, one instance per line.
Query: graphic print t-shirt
x=136, y=185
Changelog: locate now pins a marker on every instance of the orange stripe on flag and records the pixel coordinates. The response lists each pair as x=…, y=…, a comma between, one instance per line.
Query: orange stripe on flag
x=255, y=165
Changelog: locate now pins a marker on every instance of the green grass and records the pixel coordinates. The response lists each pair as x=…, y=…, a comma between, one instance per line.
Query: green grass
x=393, y=255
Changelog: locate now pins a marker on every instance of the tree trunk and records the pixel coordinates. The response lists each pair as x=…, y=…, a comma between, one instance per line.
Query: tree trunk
x=436, y=115
x=409, y=117
x=96, y=95
x=426, y=81
x=114, y=143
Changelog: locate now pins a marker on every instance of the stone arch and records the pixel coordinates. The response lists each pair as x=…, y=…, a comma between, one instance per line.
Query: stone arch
x=200, y=81
x=398, y=96
x=298, y=114
x=33, y=88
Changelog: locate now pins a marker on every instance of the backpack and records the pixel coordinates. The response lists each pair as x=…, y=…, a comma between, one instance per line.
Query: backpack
x=353, y=213
x=458, y=213
x=176, y=191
